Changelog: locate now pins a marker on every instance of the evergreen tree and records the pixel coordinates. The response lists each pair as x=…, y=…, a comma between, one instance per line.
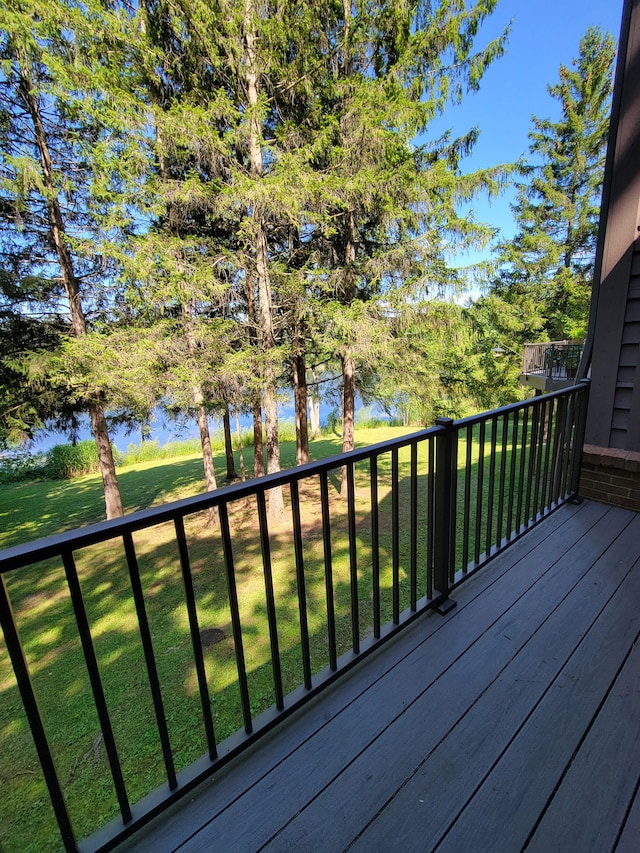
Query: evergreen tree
x=431, y=374
x=44, y=186
x=551, y=257
x=212, y=91
x=385, y=206
x=26, y=406
x=288, y=129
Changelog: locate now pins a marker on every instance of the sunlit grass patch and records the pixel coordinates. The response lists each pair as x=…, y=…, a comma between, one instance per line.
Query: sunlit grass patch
x=271, y=637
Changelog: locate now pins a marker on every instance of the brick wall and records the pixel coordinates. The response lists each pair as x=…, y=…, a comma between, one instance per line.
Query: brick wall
x=611, y=476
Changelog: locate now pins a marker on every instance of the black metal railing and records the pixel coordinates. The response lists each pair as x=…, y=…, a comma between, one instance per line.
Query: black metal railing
x=554, y=359
x=301, y=598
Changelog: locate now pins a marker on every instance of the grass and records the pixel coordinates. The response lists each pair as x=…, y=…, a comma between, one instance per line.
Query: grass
x=33, y=509
x=49, y=635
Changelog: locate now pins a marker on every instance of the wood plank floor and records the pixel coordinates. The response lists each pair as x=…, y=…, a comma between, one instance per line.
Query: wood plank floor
x=512, y=723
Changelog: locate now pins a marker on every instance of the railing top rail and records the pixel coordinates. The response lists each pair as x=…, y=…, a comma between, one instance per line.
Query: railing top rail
x=549, y=344
x=515, y=407
x=18, y=556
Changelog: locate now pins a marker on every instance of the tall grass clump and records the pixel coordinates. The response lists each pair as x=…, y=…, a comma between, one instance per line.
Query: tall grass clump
x=366, y=419
x=72, y=460
x=286, y=431
x=149, y=451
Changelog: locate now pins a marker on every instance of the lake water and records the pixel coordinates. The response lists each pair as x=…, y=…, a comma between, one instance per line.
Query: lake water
x=165, y=430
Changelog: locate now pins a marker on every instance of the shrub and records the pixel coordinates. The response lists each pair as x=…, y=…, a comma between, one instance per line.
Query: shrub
x=72, y=460
x=18, y=467
x=366, y=419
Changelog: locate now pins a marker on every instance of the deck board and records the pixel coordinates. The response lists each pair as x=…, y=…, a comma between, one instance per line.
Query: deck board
x=390, y=761
x=630, y=831
x=515, y=792
x=463, y=730
x=601, y=776
x=483, y=735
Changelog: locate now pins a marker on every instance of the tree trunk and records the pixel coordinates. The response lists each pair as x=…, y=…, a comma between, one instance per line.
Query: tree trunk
x=258, y=451
x=243, y=474
x=348, y=411
x=269, y=390
x=207, y=455
x=113, y=500
x=276, y=502
x=228, y=444
x=300, y=402
x=201, y=412
x=205, y=441
x=348, y=364
x=314, y=405
x=269, y=387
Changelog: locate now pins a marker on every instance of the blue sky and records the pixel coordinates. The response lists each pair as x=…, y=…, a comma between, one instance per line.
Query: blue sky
x=544, y=35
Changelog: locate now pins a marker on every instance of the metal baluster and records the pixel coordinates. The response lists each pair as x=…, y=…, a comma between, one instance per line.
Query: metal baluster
x=395, y=536
x=559, y=447
x=581, y=419
x=414, y=525
x=328, y=570
x=539, y=454
x=270, y=600
x=544, y=503
x=443, y=517
x=523, y=457
x=503, y=478
x=96, y=683
x=467, y=500
x=512, y=475
x=353, y=560
x=375, y=545
x=236, y=625
x=532, y=460
x=492, y=480
x=568, y=442
x=479, y=485
x=300, y=580
x=198, y=656
x=23, y=678
x=453, y=508
x=147, y=646
x=431, y=518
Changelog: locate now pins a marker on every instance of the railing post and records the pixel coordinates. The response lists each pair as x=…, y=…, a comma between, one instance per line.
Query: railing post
x=443, y=516
x=581, y=425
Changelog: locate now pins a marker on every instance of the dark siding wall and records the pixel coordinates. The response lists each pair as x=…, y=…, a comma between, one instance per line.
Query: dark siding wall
x=614, y=410
x=625, y=430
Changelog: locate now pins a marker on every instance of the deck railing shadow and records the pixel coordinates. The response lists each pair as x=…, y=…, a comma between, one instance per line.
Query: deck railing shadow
x=269, y=613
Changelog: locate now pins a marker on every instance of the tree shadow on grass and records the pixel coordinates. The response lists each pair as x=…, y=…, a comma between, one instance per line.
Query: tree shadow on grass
x=49, y=635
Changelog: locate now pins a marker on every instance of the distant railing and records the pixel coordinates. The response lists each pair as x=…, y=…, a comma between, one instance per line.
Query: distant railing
x=300, y=600
x=555, y=359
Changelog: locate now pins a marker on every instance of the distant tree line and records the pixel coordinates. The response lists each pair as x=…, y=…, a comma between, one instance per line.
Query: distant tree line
x=201, y=204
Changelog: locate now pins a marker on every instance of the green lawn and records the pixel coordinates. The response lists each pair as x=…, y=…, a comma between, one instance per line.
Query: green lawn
x=49, y=635
x=34, y=509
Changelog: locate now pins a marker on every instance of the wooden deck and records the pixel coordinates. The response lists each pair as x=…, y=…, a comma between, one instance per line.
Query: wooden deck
x=511, y=723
